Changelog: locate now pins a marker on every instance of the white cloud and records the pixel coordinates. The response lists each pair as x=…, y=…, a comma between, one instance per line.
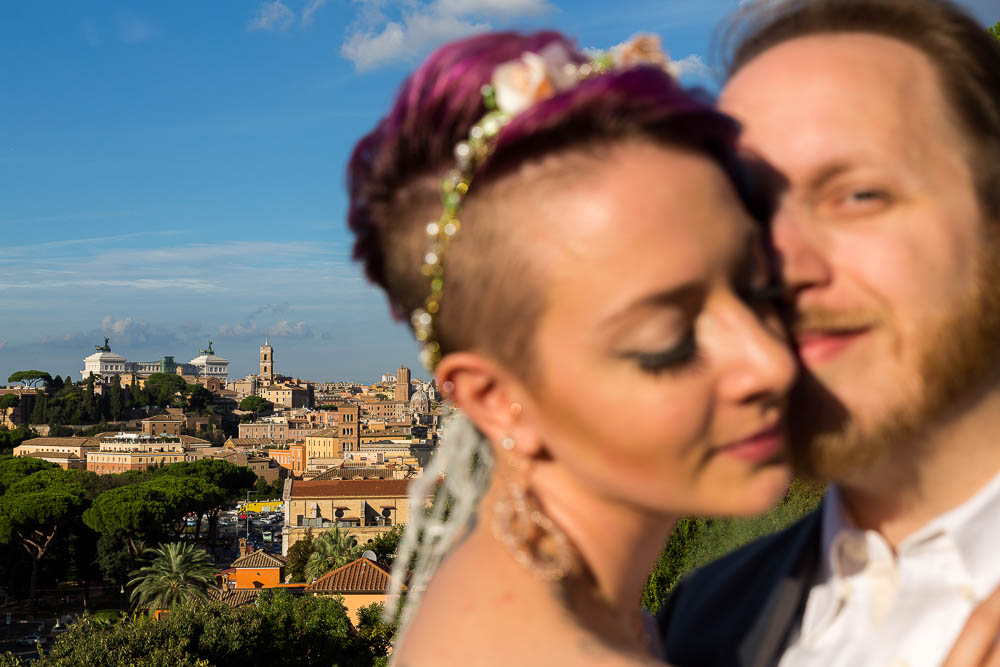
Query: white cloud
x=309, y=10
x=134, y=30
x=377, y=39
x=495, y=7
x=405, y=40
x=690, y=67
x=3, y=343
x=239, y=330
x=272, y=16
x=285, y=328
x=279, y=329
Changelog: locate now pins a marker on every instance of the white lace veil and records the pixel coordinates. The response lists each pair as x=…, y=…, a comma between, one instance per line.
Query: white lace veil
x=460, y=471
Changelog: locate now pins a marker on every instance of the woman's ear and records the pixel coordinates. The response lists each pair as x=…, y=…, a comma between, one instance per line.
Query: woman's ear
x=491, y=397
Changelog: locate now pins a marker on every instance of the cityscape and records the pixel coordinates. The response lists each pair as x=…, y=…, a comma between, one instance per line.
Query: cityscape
x=285, y=486
x=210, y=432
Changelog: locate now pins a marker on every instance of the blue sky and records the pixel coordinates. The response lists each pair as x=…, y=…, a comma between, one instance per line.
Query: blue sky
x=172, y=172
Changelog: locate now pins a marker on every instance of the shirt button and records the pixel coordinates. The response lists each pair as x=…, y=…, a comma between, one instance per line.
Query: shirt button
x=855, y=550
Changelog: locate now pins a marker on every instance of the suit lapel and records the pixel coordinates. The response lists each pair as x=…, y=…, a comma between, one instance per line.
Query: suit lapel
x=762, y=645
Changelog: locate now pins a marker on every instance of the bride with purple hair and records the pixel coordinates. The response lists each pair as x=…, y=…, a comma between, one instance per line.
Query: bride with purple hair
x=572, y=242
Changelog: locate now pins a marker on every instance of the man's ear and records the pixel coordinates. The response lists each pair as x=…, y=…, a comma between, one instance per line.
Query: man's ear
x=491, y=397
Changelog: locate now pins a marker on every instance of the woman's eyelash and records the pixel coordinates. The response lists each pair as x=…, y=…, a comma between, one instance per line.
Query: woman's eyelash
x=675, y=358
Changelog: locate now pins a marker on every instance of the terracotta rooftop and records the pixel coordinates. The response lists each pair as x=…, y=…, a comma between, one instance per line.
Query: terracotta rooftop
x=325, y=433
x=52, y=455
x=236, y=597
x=163, y=418
x=350, y=472
x=259, y=559
x=71, y=441
x=361, y=576
x=349, y=488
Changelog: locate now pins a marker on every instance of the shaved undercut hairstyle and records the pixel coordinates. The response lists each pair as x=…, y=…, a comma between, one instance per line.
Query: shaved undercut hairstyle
x=494, y=292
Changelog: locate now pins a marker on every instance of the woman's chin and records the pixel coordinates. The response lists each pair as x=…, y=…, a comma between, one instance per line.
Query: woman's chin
x=761, y=492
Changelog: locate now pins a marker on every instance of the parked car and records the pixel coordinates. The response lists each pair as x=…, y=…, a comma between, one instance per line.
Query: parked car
x=31, y=640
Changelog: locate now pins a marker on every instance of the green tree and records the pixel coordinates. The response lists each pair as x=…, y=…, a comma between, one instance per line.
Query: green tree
x=89, y=408
x=37, y=508
x=15, y=468
x=162, y=388
x=199, y=397
x=177, y=573
x=115, y=403
x=39, y=413
x=298, y=557
x=386, y=545
x=256, y=405
x=697, y=542
x=995, y=30
x=135, y=514
x=8, y=401
x=30, y=378
x=187, y=494
x=232, y=479
x=279, y=630
x=332, y=549
x=377, y=633
x=11, y=438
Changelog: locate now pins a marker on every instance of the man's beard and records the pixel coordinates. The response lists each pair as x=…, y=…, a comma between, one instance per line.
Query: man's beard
x=960, y=355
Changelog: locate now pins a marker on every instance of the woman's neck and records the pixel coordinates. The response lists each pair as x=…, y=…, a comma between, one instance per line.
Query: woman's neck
x=617, y=543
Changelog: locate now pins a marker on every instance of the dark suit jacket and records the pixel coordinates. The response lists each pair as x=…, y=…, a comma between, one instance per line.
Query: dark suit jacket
x=739, y=610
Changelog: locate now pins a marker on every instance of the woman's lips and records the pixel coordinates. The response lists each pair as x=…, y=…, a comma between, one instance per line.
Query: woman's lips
x=759, y=447
x=816, y=347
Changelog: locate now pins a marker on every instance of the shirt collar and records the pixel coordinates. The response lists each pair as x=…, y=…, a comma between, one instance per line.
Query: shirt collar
x=972, y=526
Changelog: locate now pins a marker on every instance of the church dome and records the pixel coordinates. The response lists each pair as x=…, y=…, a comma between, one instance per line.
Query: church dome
x=419, y=401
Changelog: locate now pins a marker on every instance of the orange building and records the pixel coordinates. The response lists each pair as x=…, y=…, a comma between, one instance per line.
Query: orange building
x=257, y=569
x=361, y=583
x=292, y=458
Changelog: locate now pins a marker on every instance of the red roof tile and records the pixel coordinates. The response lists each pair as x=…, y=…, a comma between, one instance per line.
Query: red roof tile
x=361, y=576
x=349, y=488
x=259, y=559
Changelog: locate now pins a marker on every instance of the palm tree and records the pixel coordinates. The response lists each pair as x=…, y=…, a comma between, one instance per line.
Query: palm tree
x=332, y=549
x=176, y=573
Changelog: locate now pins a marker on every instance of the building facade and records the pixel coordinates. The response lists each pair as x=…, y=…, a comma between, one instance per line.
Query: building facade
x=133, y=451
x=266, y=374
x=292, y=458
x=366, y=507
x=104, y=363
x=403, y=384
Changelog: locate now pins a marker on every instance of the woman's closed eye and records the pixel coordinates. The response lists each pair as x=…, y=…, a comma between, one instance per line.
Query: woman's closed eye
x=675, y=358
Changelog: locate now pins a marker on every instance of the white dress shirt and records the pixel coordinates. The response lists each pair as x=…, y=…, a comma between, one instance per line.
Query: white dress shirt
x=869, y=606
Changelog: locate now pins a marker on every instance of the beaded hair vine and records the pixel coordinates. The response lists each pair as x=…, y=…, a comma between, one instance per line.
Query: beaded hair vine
x=515, y=86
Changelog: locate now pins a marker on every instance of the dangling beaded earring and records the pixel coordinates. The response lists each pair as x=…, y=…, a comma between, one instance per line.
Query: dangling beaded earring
x=535, y=541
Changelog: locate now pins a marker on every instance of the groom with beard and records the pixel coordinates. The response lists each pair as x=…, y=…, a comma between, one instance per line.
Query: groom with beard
x=876, y=124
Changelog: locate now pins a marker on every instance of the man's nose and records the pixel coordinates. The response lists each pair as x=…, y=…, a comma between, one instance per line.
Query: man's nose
x=800, y=251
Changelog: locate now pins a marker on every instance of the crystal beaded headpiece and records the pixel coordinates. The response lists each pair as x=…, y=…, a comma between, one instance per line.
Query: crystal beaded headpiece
x=515, y=86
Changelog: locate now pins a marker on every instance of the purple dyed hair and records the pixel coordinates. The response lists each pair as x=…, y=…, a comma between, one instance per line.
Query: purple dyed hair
x=394, y=172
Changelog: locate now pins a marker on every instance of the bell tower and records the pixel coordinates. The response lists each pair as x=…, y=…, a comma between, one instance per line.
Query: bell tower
x=266, y=363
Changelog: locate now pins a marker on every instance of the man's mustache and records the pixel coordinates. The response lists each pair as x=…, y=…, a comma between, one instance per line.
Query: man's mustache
x=825, y=319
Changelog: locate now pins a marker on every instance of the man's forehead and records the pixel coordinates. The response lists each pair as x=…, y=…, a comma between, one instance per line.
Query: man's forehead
x=832, y=63
x=843, y=94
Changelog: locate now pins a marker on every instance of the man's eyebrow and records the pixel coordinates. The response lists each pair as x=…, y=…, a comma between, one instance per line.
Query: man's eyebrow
x=827, y=173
